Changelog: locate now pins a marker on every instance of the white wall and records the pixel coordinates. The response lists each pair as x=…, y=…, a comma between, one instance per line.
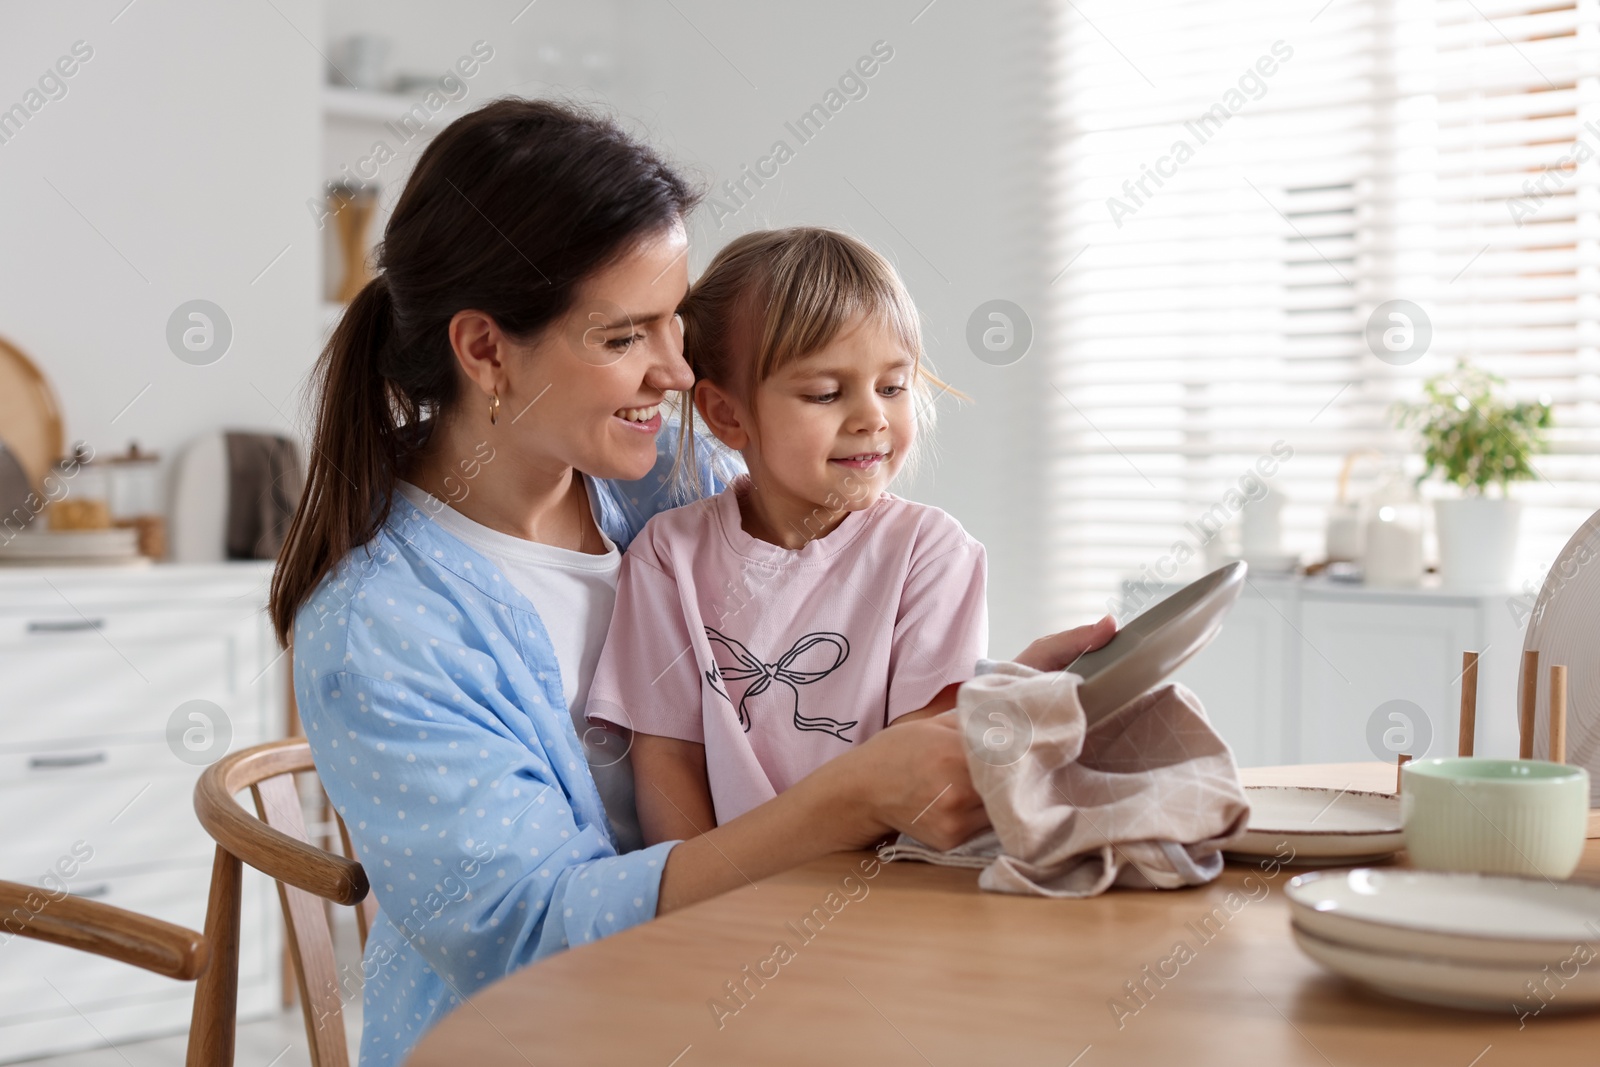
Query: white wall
x=175, y=167
x=946, y=150
x=571, y=50
x=940, y=166
x=194, y=137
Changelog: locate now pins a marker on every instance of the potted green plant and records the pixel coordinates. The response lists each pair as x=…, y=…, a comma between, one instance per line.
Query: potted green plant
x=1477, y=439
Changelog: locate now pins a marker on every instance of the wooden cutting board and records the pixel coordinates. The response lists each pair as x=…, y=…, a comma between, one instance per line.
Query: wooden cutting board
x=30, y=418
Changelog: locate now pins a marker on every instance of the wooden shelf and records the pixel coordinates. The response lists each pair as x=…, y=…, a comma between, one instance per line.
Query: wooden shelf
x=364, y=105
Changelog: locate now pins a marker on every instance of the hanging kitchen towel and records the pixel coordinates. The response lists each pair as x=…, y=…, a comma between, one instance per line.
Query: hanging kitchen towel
x=1145, y=798
x=264, y=482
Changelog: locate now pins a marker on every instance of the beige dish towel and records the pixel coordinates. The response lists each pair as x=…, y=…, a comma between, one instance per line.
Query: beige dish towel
x=1146, y=798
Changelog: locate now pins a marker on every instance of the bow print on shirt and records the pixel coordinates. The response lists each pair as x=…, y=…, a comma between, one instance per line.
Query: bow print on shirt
x=781, y=678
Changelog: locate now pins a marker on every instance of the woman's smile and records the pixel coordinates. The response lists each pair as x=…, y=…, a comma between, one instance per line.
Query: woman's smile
x=641, y=420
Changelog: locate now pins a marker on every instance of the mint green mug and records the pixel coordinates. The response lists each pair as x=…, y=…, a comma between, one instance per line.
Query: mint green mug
x=1495, y=816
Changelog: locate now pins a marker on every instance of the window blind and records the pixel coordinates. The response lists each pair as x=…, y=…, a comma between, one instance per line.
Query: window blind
x=1239, y=185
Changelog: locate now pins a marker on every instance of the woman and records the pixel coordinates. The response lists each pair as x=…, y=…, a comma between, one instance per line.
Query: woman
x=510, y=358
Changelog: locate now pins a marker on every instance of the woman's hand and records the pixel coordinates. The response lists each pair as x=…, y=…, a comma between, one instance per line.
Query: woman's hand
x=912, y=779
x=1055, y=652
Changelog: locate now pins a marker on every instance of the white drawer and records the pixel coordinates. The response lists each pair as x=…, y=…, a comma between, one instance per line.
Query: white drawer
x=28, y=626
x=134, y=807
x=29, y=969
x=145, y=752
x=123, y=673
x=125, y=821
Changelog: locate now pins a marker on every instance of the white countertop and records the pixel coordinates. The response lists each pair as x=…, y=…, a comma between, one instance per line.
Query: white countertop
x=24, y=587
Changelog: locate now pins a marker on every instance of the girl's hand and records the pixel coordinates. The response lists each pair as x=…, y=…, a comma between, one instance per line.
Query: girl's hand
x=1055, y=652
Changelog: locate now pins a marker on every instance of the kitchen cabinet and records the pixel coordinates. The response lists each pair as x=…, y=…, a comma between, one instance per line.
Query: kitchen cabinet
x=96, y=664
x=1394, y=658
x=1311, y=671
x=1246, y=677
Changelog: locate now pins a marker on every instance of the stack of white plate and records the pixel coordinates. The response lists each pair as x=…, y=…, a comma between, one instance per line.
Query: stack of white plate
x=1305, y=826
x=1472, y=941
x=57, y=548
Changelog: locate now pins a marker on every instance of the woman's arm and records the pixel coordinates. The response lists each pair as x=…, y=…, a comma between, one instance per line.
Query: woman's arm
x=675, y=803
x=909, y=779
x=942, y=701
x=673, y=793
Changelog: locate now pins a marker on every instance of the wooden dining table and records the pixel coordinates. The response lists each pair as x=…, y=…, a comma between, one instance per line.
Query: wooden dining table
x=846, y=960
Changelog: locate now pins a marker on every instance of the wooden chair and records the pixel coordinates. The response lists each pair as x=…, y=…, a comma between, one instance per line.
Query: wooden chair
x=274, y=842
x=104, y=930
x=113, y=932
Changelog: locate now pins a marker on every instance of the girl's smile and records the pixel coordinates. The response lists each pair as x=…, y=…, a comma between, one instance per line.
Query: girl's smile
x=863, y=460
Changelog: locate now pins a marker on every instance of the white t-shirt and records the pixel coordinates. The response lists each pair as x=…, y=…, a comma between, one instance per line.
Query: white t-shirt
x=575, y=594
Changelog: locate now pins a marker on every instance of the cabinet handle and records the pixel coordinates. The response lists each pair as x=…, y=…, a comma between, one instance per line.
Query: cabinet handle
x=99, y=889
x=76, y=759
x=64, y=626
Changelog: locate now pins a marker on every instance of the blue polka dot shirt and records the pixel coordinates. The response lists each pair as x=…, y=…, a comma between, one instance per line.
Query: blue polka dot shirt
x=429, y=690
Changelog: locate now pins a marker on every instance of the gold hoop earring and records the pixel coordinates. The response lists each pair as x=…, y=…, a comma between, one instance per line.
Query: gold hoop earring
x=494, y=409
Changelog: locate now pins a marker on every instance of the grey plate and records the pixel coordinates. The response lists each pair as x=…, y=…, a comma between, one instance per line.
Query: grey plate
x=1146, y=651
x=14, y=490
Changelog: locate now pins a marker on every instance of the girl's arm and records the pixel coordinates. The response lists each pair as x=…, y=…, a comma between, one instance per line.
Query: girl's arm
x=673, y=794
x=942, y=702
x=911, y=779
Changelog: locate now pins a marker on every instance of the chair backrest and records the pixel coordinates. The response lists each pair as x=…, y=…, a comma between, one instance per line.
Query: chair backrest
x=274, y=842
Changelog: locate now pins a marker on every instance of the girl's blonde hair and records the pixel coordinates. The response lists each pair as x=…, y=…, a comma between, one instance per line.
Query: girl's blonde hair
x=773, y=297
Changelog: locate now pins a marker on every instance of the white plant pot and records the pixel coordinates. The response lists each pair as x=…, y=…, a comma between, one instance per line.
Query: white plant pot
x=1477, y=541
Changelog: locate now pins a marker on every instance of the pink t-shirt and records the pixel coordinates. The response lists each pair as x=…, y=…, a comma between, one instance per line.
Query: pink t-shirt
x=776, y=659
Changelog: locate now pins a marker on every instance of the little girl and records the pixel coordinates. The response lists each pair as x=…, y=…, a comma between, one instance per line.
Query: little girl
x=761, y=632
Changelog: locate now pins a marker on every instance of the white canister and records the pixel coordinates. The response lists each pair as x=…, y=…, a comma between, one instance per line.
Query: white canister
x=1261, y=525
x=1393, y=552
x=1344, y=533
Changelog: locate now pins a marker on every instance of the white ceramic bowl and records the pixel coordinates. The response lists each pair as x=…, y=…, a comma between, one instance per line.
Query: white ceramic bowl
x=1494, y=816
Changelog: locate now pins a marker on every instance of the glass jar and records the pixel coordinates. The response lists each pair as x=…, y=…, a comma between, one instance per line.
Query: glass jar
x=87, y=502
x=135, y=497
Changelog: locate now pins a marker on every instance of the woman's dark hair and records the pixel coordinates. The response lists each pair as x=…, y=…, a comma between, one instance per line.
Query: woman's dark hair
x=507, y=211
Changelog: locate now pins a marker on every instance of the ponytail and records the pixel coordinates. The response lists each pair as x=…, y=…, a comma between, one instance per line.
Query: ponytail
x=354, y=456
